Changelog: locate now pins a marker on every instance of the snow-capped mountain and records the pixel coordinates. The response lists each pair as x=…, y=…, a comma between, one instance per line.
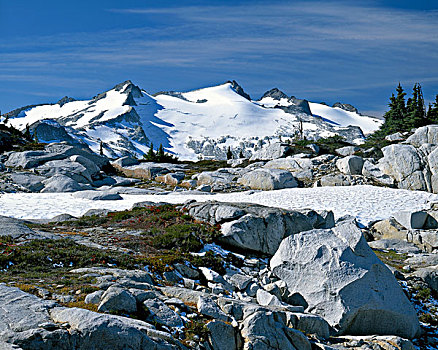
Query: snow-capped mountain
x=196, y=124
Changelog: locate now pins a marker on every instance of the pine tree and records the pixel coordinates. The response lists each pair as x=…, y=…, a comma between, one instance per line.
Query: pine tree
x=27, y=134
x=416, y=115
x=101, y=148
x=160, y=154
x=432, y=112
x=395, y=117
x=241, y=154
x=229, y=153
x=150, y=156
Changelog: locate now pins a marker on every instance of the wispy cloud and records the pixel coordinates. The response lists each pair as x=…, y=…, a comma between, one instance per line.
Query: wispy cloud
x=308, y=47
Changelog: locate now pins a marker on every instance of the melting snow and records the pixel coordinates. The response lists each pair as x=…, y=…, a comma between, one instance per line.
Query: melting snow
x=366, y=203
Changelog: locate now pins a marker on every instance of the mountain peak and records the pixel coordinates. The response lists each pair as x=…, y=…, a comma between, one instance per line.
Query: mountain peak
x=65, y=100
x=238, y=89
x=346, y=107
x=121, y=86
x=275, y=94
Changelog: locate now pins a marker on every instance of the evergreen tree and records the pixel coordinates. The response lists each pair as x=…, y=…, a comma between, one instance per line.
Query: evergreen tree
x=35, y=137
x=101, y=148
x=416, y=115
x=229, y=153
x=432, y=112
x=150, y=156
x=395, y=117
x=160, y=154
x=27, y=134
x=241, y=154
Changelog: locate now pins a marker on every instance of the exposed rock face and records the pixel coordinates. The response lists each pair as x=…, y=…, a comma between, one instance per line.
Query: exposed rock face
x=15, y=228
x=148, y=170
x=255, y=227
x=407, y=166
x=395, y=137
x=346, y=107
x=32, y=323
x=373, y=171
x=275, y=94
x=414, y=164
x=125, y=161
x=347, y=150
x=425, y=134
x=60, y=183
x=117, y=300
x=29, y=181
x=49, y=131
x=60, y=168
x=328, y=267
x=52, y=152
x=350, y=165
x=263, y=330
x=272, y=151
x=411, y=219
x=268, y=179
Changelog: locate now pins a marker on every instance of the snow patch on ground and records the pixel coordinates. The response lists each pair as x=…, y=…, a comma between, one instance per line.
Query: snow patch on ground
x=366, y=203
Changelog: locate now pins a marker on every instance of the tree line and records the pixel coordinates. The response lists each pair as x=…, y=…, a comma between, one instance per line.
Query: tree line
x=407, y=114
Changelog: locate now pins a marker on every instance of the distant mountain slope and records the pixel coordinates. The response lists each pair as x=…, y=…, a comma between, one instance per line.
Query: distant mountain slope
x=195, y=124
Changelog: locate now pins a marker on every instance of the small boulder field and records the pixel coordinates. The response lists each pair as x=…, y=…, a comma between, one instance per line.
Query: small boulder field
x=214, y=274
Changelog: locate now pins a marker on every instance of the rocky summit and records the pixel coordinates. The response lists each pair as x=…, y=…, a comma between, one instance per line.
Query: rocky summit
x=292, y=243
x=126, y=120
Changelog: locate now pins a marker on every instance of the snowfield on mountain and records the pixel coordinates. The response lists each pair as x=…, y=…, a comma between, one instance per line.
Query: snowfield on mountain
x=193, y=125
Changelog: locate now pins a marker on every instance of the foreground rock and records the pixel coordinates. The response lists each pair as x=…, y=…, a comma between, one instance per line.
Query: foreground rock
x=255, y=227
x=32, y=323
x=328, y=268
x=59, y=167
x=273, y=151
x=268, y=179
x=145, y=170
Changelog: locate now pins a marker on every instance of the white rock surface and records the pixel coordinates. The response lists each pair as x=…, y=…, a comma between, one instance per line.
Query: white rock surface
x=329, y=267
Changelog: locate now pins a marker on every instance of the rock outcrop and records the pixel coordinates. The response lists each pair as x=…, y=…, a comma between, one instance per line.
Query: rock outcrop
x=268, y=179
x=255, y=227
x=328, y=268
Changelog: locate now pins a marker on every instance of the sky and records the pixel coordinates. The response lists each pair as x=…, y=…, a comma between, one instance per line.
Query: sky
x=325, y=51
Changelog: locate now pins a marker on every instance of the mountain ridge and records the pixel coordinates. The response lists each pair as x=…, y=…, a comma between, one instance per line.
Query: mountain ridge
x=195, y=124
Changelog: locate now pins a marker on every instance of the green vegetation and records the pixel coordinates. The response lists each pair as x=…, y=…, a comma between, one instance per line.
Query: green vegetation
x=404, y=115
x=9, y=136
x=229, y=153
x=423, y=293
x=168, y=236
x=195, y=328
x=392, y=258
x=45, y=255
x=428, y=318
x=160, y=156
x=326, y=145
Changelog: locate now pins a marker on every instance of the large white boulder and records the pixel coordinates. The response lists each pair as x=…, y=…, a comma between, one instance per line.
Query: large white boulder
x=342, y=280
x=425, y=134
x=350, y=165
x=272, y=151
x=406, y=165
x=411, y=219
x=268, y=179
x=347, y=150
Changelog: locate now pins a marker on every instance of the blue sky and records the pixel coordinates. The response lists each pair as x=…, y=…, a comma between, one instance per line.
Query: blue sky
x=350, y=51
